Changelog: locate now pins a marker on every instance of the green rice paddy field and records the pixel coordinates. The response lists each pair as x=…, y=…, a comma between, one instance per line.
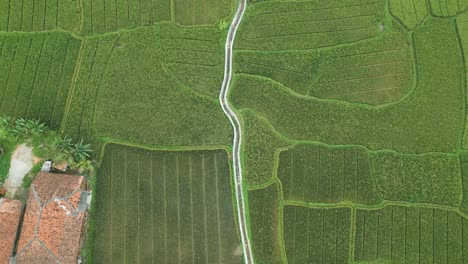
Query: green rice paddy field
x=166, y=207
x=355, y=142
x=355, y=130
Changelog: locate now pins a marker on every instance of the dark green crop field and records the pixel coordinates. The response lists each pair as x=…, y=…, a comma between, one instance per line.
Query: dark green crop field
x=165, y=207
x=353, y=117
x=141, y=73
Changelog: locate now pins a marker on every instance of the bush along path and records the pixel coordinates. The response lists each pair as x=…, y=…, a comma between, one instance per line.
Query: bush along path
x=32, y=139
x=236, y=161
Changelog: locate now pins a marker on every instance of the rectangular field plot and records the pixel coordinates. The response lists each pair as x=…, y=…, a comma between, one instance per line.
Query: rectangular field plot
x=301, y=25
x=410, y=13
x=464, y=176
x=264, y=221
x=37, y=15
x=165, y=207
x=398, y=234
x=462, y=24
x=101, y=102
x=432, y=178
x=36, y=75
x=313, y=235
x=319, y=174
x=201, y=12
x=375, y=71
x=446, y=8
x=102, y=16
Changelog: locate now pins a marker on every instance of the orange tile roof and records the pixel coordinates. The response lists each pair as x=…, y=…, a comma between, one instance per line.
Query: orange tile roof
x=10, y=211
x=52, y=224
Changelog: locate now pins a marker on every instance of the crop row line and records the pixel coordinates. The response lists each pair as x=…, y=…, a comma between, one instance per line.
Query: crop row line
x=274, y=67
x=371, y=65
x=22, y=73
x=368, y=91
x=60, y=80
x=309, y=33
x=308, y=21
x=315, y=9
x=364, y=78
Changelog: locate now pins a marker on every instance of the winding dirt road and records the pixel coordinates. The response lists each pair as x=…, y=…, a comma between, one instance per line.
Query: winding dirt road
x=236, y=160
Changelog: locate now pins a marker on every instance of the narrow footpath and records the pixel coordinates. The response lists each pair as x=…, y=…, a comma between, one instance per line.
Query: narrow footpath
x=236, y=160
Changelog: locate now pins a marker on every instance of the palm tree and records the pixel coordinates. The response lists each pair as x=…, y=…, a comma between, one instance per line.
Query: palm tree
x=28, y=128
x=7, y=123
x=63, y=144
x=82, y=166
x=81, y=151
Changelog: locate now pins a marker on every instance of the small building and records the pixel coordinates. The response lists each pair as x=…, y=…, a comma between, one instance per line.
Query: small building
x=10, y=212
x=53, y=220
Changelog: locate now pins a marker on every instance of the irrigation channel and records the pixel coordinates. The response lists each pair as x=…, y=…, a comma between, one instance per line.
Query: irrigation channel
x=236, y=159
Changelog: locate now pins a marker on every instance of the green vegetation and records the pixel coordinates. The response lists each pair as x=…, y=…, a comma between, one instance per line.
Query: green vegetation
x=353, y=114
x=301, y=25
x=36, y=75
x=47, y=145
x=194, y=56
x=264, y=224
x=464, y=181
x=164, y=206
x=410, y=13
x=407, y=126
x=159, y=111
x=398, y=234
x=433, y=179
x=374, y=71
x=319, y=174
x=202, y=12
x=38, y=15
x=260, y=143
x=447, y=8
x=317, y=235
x=102, y=16
x=462, y=26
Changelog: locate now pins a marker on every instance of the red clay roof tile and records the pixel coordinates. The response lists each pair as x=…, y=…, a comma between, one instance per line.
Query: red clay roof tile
x=10, y=211
x=60, y=225
x=35, y=253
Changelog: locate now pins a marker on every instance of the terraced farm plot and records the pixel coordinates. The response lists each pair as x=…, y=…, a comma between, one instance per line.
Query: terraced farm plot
x=165, y=207
x=158, y=111
x=431, y=179
x=102, y=16
x=462, y=24
x=318, y=174
x=464, y=181
x=405, y=127
x=316, y=235
x=202, y=12
x=310, y=24
x=36, y=75
x=375, y=72
x=37, y=15
x=264, y=224
x=295, y=69
x=195, y=57
x=398, y=234
x=261, y=143
x=447, y=8
x=410, y=13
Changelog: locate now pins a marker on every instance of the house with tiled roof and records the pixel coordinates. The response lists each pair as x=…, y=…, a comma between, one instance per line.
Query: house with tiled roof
x=10, y=212
x=53, y=220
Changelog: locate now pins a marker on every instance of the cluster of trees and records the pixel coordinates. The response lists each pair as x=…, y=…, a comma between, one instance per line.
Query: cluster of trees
x=47, y=144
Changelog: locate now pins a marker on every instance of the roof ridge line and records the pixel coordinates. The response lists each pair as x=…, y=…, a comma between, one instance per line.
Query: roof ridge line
x=48, y=250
